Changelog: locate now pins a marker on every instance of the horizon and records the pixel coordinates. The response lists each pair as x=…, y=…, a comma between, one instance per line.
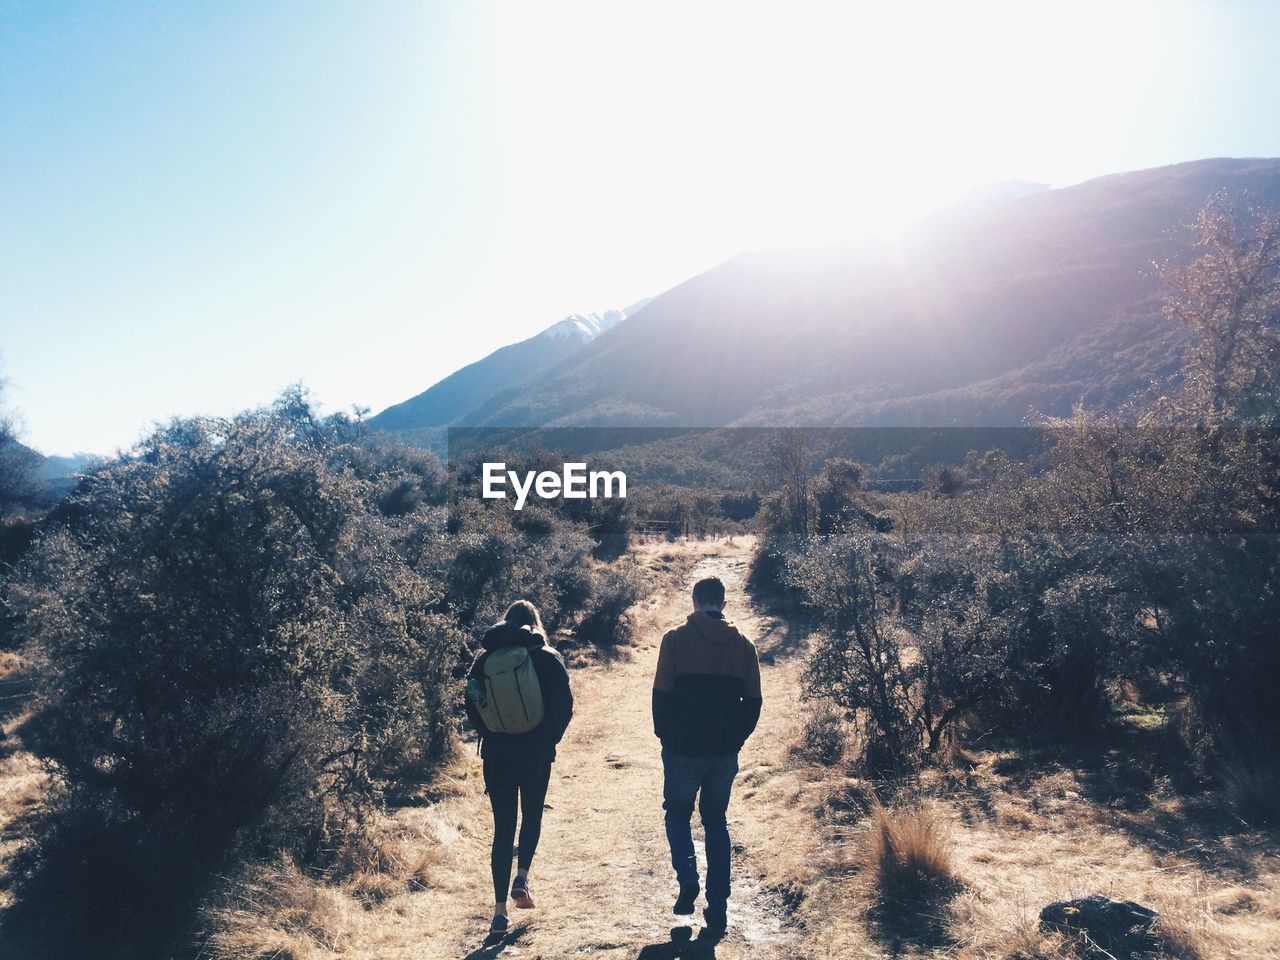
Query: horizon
x=205, y=206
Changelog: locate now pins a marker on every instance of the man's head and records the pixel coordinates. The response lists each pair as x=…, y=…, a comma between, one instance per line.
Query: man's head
x=708, y=594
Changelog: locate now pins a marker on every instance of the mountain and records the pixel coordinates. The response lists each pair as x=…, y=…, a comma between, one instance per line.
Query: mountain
x=504, y=369
x=990, y=196
x=974, y=317
x=54, y=468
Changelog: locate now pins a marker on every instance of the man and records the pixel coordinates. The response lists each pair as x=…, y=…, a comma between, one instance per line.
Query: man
x=706, y=702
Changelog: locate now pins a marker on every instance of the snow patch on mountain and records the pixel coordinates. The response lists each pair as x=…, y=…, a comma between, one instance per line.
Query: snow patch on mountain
x=585, y=326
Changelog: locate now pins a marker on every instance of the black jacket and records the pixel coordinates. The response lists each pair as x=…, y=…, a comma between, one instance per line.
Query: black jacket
x=539, y=744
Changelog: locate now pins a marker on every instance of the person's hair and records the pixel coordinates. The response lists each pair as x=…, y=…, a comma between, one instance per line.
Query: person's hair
x=522, y=613
x=708, y=592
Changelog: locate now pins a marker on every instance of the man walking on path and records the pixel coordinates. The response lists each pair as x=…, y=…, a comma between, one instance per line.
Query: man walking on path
x=706, y=702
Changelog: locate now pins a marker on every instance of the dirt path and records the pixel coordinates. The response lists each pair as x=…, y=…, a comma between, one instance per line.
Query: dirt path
x=602, y=876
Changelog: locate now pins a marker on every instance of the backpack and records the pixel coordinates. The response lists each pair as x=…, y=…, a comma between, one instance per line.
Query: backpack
x=508, y=696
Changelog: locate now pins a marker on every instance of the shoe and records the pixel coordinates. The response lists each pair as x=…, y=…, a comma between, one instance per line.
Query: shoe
x=497, y=931
x=716, y=921
x=688, y=896
x=520, y=894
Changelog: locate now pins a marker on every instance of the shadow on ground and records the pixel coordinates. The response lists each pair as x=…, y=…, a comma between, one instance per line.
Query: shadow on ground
x=907, y=930
x=682, y=946
x=489, y=950
x=1136, y=782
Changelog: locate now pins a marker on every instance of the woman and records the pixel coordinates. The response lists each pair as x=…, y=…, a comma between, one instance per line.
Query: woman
x=518, y=736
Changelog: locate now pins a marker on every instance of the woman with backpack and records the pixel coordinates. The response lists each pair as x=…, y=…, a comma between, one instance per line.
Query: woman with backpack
x=519, y=701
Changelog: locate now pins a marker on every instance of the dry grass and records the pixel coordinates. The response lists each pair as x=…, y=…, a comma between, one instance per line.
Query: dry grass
x=1024, y=940
x=1039, y=836
x=908, y=854
x=1023, y=831
x=277, y=911
x=22, y=778
x=10, y=663
x=394, y=858
x=22, y=784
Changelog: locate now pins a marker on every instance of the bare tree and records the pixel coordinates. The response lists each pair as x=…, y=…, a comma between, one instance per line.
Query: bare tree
x=789, y=471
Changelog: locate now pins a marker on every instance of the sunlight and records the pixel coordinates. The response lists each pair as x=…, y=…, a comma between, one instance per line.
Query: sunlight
x=842, y=120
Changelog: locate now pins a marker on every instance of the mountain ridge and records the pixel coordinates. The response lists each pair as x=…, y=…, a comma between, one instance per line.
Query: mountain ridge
x=970, y=319
x=459, y=392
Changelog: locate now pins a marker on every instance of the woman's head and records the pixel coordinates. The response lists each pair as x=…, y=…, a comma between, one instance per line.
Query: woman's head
x=522, y=613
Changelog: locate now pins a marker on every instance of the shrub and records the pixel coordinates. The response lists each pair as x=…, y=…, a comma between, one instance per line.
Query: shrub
x=1012, y=631
x=835, y=492
x=766, y=576
x=1253, y=790
x=823, y=738
x=496, y=555
x=858, y=661
x=905, y=690
x=740, y=507
x=233, y=656
x=607, y=621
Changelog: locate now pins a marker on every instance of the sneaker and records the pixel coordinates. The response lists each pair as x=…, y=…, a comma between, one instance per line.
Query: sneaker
x=688, y=896
x=520, y=894
x=497, y=931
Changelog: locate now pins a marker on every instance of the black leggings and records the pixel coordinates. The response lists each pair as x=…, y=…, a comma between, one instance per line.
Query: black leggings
x=510, y=785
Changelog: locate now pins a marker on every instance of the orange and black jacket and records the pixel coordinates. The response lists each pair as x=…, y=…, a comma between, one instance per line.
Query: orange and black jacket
x=706, y=693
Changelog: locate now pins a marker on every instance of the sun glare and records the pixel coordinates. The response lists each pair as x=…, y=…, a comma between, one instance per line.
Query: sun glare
x=835, y=120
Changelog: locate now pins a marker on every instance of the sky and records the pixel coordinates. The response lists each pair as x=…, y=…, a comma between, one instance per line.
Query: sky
x=203, y=203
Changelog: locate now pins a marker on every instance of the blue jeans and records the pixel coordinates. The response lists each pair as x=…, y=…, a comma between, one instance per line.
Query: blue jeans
x=683, y=778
